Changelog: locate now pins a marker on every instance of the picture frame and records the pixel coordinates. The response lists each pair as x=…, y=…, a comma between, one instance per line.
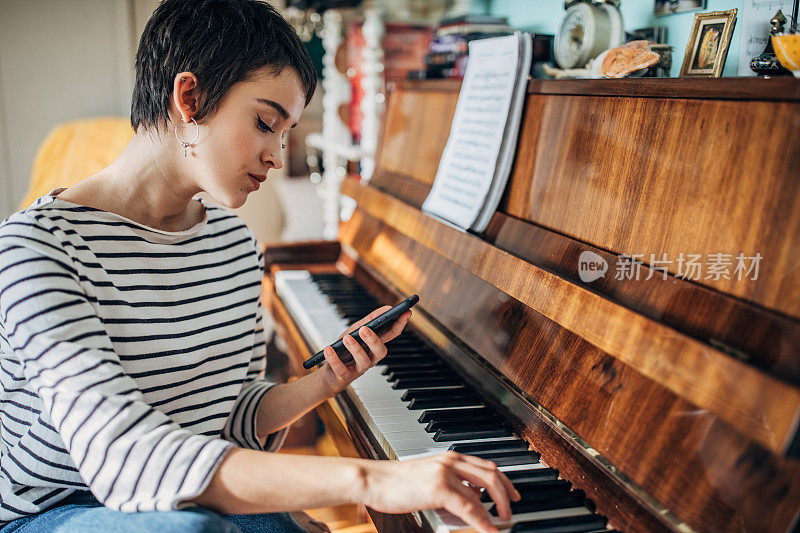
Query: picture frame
x=671, y=7
x=708, y=44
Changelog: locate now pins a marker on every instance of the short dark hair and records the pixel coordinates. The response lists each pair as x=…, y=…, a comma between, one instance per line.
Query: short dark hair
x=222, y=42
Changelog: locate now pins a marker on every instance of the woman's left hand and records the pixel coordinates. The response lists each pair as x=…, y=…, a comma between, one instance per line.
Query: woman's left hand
x=336, y=374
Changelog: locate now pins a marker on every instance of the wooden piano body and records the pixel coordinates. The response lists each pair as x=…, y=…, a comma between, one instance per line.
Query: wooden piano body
x=672, y=402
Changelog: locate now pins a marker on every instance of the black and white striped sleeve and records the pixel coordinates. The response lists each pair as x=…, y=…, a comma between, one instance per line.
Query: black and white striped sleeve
x=132, y=456
x=241, y=424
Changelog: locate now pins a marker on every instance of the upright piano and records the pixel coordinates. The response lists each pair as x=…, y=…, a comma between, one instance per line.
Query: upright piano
x=623, y=340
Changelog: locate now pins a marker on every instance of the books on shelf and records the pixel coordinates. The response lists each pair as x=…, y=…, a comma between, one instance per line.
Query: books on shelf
x=450, y=44
x=477, y=158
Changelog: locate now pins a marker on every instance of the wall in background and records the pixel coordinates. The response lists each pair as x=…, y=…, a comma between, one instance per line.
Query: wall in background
x=59, y=61
x=544, y=16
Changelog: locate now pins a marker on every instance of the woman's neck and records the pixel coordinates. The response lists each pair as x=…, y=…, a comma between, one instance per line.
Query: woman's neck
x=144, y=185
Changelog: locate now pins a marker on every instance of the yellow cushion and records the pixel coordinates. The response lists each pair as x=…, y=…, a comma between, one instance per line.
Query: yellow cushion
x=75, y=150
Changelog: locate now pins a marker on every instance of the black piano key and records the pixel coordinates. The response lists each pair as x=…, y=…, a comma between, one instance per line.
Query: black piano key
x=407, y=363
x=469, y=448
x=437, y=403
x=454, y=414
x=345, y=294
x=421, y=372
x=408, y=339
x=338, y=283
x=531, y=476
x=356, y=313
x=405, y=343
x=435, y=398
x=348, y=297
x=401, y=348
x=388, y=368
x=355, y=316
x=416, y=383
x=410, y=372
x=394, y=359
x=411, y=350
x=533, y=506
x=567, y=524
x=542, y=489
x=409, y=335
x=477, y=423
x=509, y=458
x=436, y=393
x=448, y=435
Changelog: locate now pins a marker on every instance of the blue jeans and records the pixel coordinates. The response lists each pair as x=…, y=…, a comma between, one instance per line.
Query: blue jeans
x=81, y=512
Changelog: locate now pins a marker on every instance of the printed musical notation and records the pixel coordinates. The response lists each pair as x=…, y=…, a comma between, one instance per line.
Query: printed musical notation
x=754, y=26
x=469, y=163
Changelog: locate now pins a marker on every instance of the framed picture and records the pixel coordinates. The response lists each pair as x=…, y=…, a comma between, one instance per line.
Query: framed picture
x=670, y=7
x=708, y=44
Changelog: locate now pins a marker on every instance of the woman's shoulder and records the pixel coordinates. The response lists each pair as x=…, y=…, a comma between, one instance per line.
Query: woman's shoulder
x=33, y=228
x=34, y=217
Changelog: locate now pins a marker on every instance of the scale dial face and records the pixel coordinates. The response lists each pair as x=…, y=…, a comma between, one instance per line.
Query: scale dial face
x=572, y=42
x=585, y=32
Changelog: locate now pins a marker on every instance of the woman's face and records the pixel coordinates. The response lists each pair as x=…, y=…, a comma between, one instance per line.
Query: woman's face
x=241, y=141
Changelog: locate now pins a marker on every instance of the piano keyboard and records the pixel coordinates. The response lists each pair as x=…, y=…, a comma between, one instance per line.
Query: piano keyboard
x=415, y=405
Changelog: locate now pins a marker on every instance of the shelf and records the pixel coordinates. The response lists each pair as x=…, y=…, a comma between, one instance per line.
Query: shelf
x=784, y=88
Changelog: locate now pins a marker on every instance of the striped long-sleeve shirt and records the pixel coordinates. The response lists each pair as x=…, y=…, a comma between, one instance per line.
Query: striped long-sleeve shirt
x=130, y=357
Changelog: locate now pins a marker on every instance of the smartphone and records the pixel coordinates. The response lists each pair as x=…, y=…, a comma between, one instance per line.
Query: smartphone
x=375, y=324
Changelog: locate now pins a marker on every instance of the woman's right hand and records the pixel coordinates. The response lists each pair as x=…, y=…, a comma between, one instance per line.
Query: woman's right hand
x=438, y=482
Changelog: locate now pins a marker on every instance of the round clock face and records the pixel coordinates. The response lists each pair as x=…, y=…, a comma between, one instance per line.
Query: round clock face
x=585, y=32
x=571, y=42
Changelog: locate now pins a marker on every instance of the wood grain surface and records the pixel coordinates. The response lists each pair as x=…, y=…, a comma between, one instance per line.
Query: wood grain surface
x=723, y=385
x=648, y=176
x=651, y=176
x=684, y=455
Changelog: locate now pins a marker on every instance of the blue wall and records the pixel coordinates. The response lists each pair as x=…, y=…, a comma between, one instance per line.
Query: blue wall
x=544, y=16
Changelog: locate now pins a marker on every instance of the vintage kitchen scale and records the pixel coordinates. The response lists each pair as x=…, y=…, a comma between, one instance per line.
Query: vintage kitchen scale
x=588, y=29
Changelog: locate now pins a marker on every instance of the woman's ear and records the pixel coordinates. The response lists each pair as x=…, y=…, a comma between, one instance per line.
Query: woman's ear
x=185, y=96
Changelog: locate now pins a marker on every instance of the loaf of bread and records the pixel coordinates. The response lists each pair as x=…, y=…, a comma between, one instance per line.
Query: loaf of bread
x=630, y=57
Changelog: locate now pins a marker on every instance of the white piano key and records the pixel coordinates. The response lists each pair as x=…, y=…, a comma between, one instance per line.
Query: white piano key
x=444, y=522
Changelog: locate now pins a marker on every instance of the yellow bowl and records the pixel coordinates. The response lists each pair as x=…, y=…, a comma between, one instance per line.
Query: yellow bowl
x=787, y=49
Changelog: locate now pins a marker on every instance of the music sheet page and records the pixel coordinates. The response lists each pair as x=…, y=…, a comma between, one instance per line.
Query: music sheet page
x=468, y=163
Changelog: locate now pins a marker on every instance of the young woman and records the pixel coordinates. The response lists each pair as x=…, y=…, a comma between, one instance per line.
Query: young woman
x=131, y=338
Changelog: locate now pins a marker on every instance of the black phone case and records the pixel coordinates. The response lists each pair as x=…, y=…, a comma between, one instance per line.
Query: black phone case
x=376, y=324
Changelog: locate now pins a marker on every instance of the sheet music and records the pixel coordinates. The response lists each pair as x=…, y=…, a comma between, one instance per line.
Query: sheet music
x=469, y=160
x=754, y=26
x=509, y=145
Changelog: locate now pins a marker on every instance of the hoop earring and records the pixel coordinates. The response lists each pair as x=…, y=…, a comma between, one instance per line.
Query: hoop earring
x=185, y=144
